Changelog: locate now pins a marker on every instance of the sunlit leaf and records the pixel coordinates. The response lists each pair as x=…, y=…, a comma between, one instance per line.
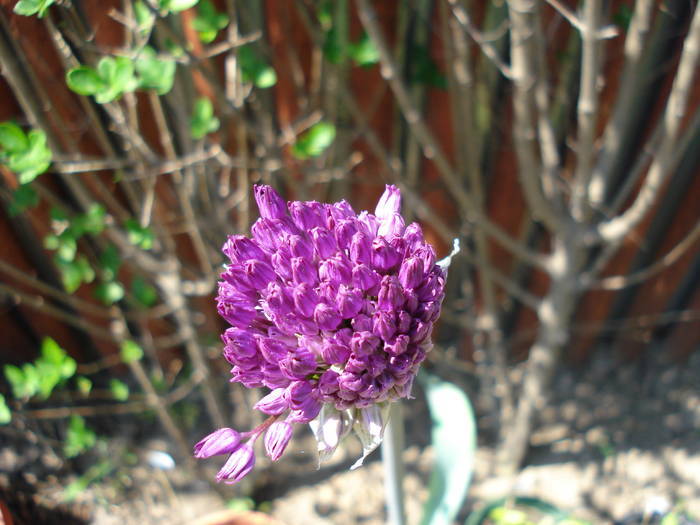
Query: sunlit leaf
x=32, y=7
x=203, y=120
x=315, y=141
x=254, y=69
x=141, y=236
x=364, y=52
x=131, y=351
x=23, y=198
x=109, y=292
x=155, y=73
x=79, y=438
x=84, y=385
x=12, y=138
x=5, y=413
x=454, y=440
x=119, y=390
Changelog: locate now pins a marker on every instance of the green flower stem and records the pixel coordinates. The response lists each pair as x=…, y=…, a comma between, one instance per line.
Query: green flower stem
x=392, y=448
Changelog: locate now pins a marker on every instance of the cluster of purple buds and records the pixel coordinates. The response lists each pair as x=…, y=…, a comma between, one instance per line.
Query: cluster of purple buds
x=332, y=311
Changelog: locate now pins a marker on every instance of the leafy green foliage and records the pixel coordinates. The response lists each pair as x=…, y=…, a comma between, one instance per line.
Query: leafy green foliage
x=141, y=236
x=144, y=18
x=144, y=292
x=424, y=70
x=79, y=438
x=119, y=389
x=50, y=369
x=315, y=141
x=131, y=351
x=84, y=385
x=254, y=69
x=74, y=272
x=110, y=262
x=5, y=414
x=454, y=440
x=23, y=198
x=32, y=7
x=94, y=473
x=25, y=154
x=109, y=292
x=208, y=21
x=113, y=77
x=363, y=52
x=521, y=511
x=203, y=120
x=175, y=6
x=153, y=72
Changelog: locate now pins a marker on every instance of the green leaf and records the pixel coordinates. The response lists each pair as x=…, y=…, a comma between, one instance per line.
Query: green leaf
x=333, y=49
x=155, y=73
x=68, y=368
x=117, y=74
x=175, y=6
x=5, y=414
x=22, y=386
x=364, y=52
x=34, y=160
x=23, y=198
x=254, y=69
x=84, y=80
x=203, y=120
x=110, y=261
x=32, y=7
x=315, y=141
x=51, y=351
x=92, y=221
x=64, y=244
x=141, y=236
x=12, y=138
x=109, y=292
x=424, y=70
x=79, y=438
x=31, y=379
x=119, y=390
x=131, y=351
x=74, y=272
x=208, y=21
x=84, y=385
x=48, y=376
x=144, y=292
x=454, y=440
x=144, y=17
x=542, y=507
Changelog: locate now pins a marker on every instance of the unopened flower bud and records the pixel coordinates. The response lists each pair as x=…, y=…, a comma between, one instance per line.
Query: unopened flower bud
x=277, y=438
x=273, y=403
x=238, y=465
x=222, y=441
x=270, y=204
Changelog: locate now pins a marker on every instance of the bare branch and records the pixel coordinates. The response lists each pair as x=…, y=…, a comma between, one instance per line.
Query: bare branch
x=618, y=282
x=587, y=108
x=665, y=159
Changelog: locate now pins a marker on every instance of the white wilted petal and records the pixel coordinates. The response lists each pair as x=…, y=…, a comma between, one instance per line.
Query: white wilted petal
x=329, y=428
x=444, y=264
x=369, y=427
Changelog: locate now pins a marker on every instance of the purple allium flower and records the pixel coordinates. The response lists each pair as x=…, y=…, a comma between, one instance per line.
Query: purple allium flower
x=330, y=310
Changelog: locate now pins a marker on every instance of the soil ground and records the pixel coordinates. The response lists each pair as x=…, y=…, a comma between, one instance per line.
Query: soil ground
x=614, y=440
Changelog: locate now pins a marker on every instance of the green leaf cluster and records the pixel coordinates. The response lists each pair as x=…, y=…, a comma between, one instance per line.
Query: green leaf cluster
x=143, y=292
x=23, y=198
x=50, y=369
x=25, y=154
x=141, y=236
x=75, y=269
x=208, y=21
x=119, y=389
x=315, y=141
x=79, y=437
x=130, y=352
x=175, y=6
x=424, y=70
x=32, y=7
x=5, y=413
x=94, y=473
x=115, y=76
x=203, y=120
x=254, y=69
x=362, y=52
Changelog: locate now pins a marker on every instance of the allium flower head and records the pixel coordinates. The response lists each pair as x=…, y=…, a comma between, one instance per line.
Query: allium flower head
x=332, y=311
